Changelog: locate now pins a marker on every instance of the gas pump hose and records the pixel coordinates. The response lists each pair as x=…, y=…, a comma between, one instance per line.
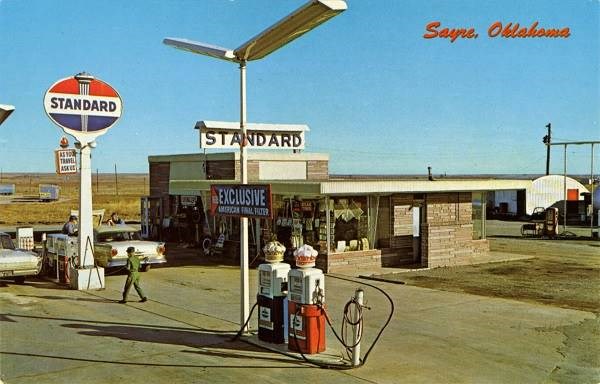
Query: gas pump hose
x=358, y=322
x=387, y=322
x=237, y=335
x=348, y=321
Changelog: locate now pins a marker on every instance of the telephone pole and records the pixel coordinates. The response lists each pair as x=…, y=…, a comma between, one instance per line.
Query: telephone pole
x=548, y=141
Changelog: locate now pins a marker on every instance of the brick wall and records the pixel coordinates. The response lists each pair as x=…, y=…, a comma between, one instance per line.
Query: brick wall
x=317, y=170
x=221, y=169
x=447, y=236
x=159, y=183
x=230, y=170
x=253, y=170
x=349, y=262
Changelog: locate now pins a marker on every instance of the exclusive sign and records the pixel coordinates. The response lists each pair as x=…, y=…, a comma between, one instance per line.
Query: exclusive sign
x=65, y=161
x=241, y=200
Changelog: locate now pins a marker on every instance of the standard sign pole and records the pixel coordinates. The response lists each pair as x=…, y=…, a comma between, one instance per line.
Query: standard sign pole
x=85, y=108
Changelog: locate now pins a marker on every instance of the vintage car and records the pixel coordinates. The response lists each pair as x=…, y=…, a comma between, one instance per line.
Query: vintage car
x=17, y=263
x=111, y=243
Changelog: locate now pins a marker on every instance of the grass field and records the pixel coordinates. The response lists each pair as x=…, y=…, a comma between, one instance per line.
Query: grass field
x=114, y=194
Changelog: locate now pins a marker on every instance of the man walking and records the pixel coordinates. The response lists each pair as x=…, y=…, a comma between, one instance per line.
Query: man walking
x=133, y=277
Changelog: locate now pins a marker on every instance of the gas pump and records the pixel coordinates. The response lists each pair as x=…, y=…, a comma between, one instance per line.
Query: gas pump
x=272, y=289
x=551, y=222
x=306, y=299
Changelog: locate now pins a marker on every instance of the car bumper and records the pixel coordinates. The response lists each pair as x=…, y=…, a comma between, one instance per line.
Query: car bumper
x=24, y=272
x=123, y=262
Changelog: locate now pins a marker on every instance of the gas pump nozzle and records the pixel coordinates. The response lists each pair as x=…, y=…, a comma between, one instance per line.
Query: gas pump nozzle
x=284, y=287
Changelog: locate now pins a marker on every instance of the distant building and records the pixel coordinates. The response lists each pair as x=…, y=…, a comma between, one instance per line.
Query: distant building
x=546, y=191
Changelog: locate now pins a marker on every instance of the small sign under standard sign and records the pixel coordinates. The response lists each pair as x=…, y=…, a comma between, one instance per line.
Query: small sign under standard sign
x=241, y=200
x=66, y=161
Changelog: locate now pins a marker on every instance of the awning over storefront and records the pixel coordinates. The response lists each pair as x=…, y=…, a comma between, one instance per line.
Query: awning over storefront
x=360, y=187
x=342, y=187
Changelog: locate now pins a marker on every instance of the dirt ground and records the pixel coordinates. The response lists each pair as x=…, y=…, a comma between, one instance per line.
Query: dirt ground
x=565, y=279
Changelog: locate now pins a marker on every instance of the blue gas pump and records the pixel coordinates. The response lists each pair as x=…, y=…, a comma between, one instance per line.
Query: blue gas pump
x=272, y=293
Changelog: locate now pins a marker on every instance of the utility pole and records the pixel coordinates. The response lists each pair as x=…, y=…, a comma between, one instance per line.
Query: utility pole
x=116, y=182
x=548, y=141
x=565, y=144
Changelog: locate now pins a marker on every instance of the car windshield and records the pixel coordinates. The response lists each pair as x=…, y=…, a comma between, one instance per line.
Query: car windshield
x=118, y=236
x=6, y=242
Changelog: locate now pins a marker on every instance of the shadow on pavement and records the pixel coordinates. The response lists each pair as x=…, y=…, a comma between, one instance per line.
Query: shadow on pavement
x=35, y=282
x=294, y=365
x=213, y=343
x=69, y=298
x=204, y=342
x=9, y=316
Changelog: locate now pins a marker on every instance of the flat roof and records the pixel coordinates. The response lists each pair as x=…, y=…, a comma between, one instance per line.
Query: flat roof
x=235, y=126
x=252, y=155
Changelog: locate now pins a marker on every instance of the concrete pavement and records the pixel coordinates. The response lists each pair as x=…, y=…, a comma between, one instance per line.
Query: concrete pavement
x=182, y=335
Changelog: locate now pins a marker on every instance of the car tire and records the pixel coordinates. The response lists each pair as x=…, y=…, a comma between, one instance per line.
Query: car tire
x=20, y=279
x=146, y=267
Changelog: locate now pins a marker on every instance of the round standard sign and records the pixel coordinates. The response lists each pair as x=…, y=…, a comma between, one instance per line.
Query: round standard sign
x=83, y=106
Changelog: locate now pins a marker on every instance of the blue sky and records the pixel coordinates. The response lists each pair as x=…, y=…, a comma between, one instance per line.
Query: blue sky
x=378, y=97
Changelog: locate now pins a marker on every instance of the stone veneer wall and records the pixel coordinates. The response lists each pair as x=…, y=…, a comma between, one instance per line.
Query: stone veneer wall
x=447, y=235
x=349, y=262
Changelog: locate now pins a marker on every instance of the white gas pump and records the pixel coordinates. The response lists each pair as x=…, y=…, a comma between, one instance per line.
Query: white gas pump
x=271, y=298
x=306, y=303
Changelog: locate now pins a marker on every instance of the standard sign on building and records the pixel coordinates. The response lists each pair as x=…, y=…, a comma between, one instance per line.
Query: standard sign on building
x=227, y=135
x=241, y=200
x=66, y=161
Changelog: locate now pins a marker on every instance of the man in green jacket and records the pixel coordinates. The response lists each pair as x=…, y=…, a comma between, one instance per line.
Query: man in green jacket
x=133, y=277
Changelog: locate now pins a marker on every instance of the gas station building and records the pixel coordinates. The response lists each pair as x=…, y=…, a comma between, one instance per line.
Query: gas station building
x=355, y=222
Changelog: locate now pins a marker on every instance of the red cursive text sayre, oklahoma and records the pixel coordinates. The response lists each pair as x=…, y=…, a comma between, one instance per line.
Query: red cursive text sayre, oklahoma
x=496, y=29
x=449, y=33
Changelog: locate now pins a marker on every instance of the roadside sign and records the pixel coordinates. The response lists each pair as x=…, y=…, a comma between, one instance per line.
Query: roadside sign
x=241, y=200
x=227, y=135
x=66, y=161
x=83, y=106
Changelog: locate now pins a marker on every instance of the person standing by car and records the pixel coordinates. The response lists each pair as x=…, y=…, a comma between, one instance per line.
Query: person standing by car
x=133, y=277
x=70, y=227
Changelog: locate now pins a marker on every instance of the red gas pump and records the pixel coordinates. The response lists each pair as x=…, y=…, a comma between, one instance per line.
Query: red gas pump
x=306, y=295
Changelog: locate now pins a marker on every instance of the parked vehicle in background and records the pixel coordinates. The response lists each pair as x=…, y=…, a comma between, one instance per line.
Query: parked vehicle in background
x=49, y=192
x=7, y=189
x=17, y=263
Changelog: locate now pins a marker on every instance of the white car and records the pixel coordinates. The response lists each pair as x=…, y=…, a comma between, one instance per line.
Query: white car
x=111, y=243
x=17, y=263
